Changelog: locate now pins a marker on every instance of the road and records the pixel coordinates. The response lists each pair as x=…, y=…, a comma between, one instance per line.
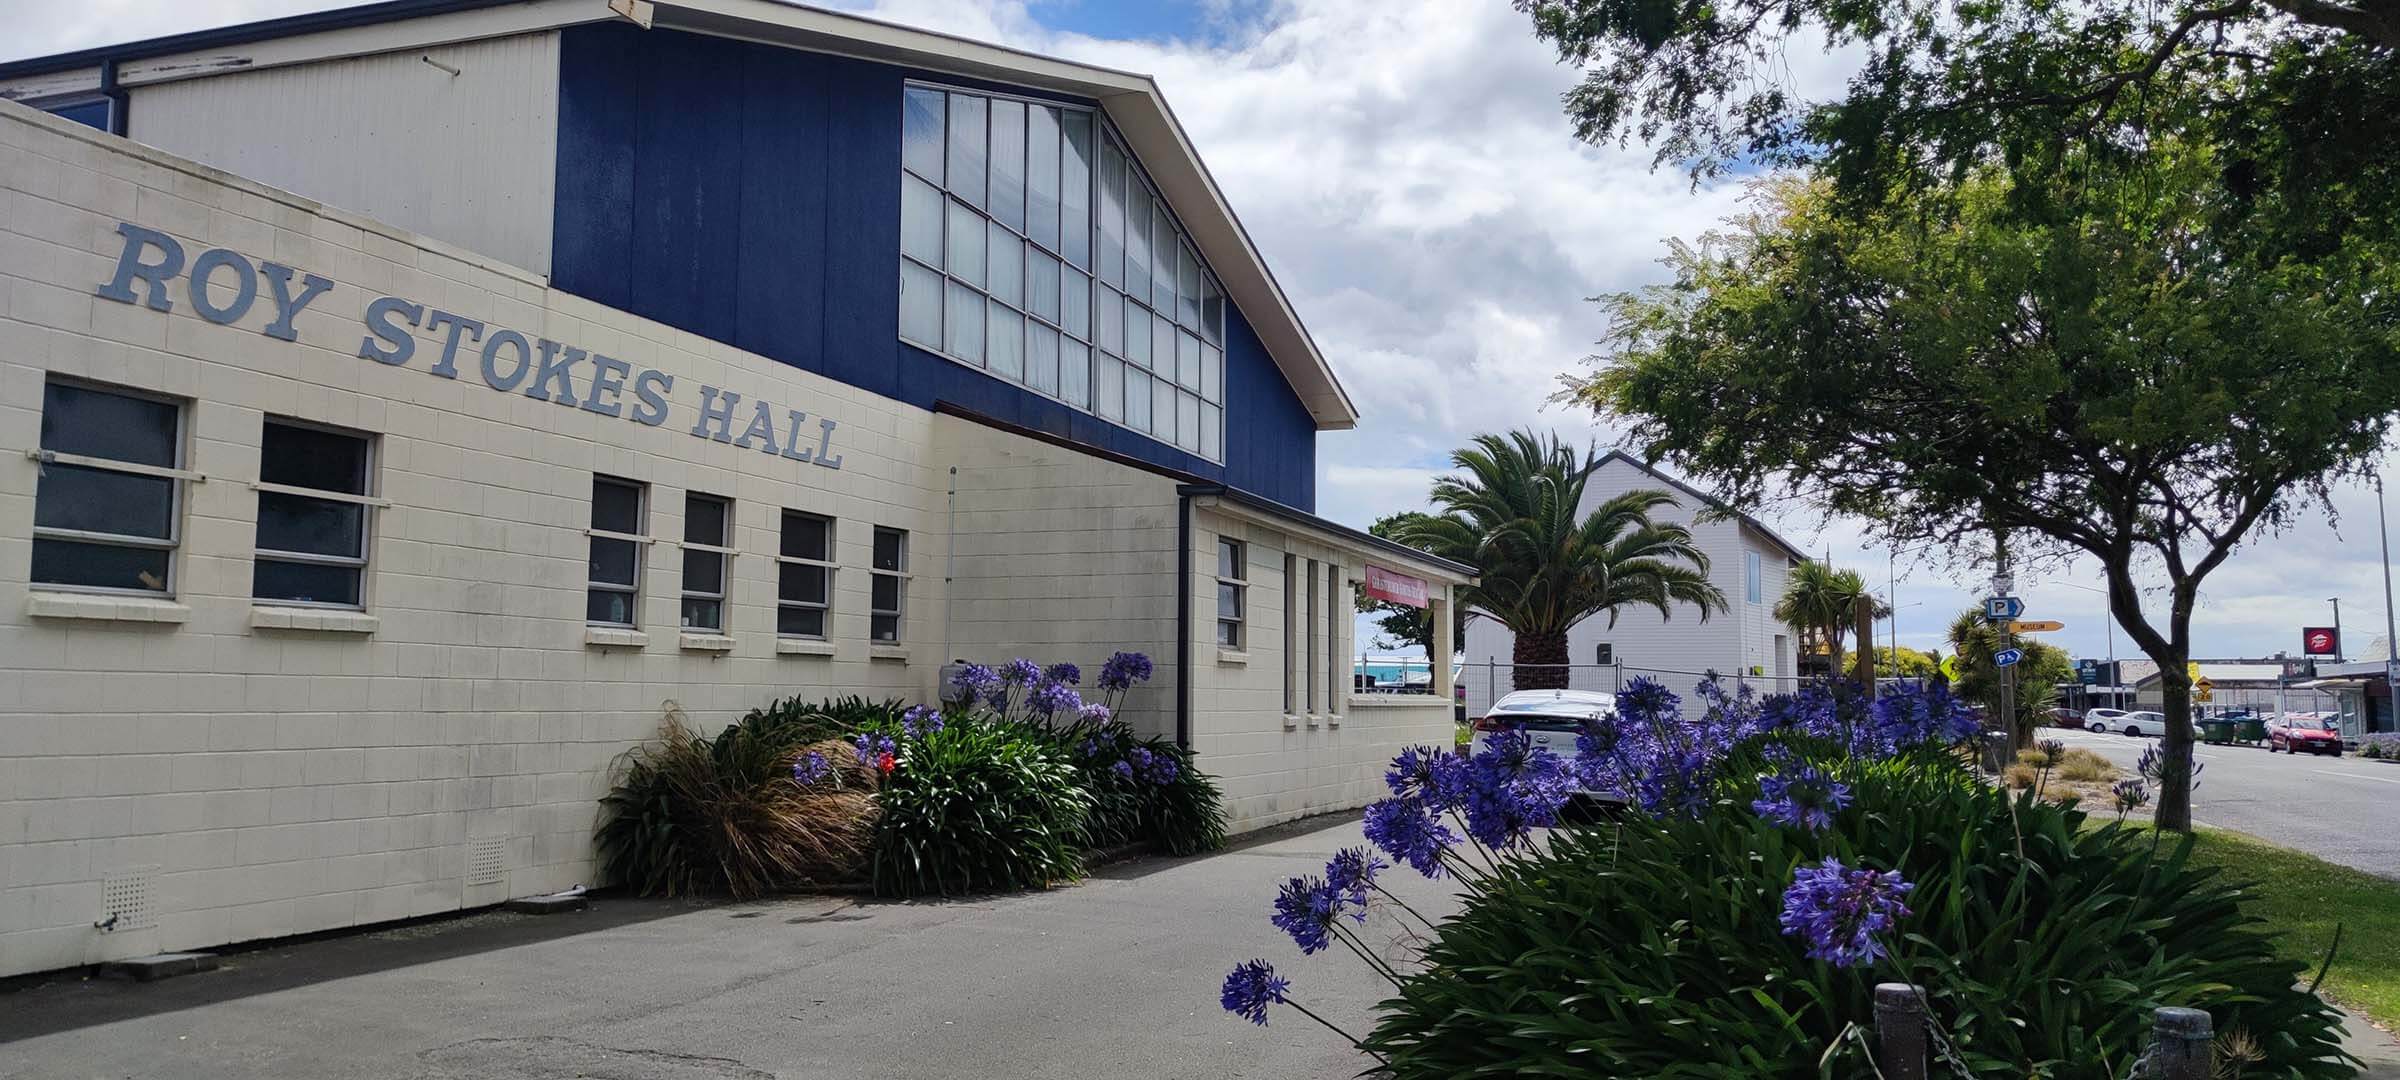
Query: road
x=2344, y=810
x=1116, y=977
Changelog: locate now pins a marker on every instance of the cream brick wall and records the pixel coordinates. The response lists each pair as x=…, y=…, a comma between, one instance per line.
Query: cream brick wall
x=283, y=780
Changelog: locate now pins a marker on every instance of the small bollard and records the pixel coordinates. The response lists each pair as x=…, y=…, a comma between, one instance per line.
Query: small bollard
x=1900, y=1032
x=2183, y=1050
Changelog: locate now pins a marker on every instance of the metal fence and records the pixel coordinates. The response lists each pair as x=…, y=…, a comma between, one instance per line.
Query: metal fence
x=1906, y=1045
x=1488, y=680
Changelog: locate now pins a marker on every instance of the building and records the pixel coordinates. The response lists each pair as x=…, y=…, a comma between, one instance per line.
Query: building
x=1747, y=561
x=2261, y=687
x=403, y=406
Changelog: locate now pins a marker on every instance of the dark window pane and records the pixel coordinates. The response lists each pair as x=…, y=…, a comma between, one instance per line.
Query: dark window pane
x=703, y=614
x=96, y=423
x=307, y=457
x=886, y=590
x=1229, y=559
x=314, y=526
x=1229, y=634
x=891, y=546
x=704, y=520
x=310, y=582
x=616, y=507
x=66, y=562
x=609, y=607
x=884, y=627
x=1229, y=600
x=95, y=500
x=800, y=622
x=965, y=178
x=703, y=571
x=612, y=561
x=804, y=537
x=921, y=132
x=804, y=584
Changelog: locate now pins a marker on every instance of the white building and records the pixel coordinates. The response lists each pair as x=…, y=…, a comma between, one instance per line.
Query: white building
x=1747, y=561
x=559, y=360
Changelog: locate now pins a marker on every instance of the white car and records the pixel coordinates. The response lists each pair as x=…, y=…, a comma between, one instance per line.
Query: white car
x=1550, y=719
x=2140, y=723
x=2102, y=719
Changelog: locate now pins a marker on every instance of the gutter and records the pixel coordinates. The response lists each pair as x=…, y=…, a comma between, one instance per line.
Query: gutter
x=1183, y=616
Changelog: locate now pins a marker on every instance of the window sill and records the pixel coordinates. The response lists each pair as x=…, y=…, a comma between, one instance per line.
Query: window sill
x=888, y=652
x=1291, y=722
x=615, y=637
x=134, y=609
x=803, y=647
x=709, y=643
x=275, y=617
x=1232, y=656
x=1397, y=701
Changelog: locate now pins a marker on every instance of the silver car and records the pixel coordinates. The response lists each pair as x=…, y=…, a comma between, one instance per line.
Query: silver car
x=1549, y=718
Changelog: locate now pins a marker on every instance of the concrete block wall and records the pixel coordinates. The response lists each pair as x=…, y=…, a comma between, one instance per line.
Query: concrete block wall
x=272, y=771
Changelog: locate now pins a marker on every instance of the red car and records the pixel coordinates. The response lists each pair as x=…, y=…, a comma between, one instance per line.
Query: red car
x=2315, y=735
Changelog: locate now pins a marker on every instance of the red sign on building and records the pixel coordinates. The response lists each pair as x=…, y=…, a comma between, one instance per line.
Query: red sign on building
x=1383, y=584
x=2320, y=641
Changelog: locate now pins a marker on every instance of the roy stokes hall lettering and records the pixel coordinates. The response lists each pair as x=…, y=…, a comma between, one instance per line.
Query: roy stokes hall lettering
x=505, y=359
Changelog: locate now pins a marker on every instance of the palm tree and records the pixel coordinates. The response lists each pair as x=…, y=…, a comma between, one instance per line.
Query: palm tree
x=1975, y=640
x=1820, y=604
x=1511, y=511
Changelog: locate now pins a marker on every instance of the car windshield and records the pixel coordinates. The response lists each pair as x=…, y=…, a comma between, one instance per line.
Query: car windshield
x=2310, y=723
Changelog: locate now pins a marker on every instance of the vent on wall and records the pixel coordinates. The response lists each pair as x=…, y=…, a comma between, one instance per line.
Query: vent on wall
x=486, y=860
x=130, y=898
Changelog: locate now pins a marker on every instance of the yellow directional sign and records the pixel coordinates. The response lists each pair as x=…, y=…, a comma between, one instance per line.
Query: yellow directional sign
x=2035, y=626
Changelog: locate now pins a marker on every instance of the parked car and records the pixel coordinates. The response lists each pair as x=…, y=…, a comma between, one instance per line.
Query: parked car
x=2065, y=717
x=2313, y=734
x=1549, y=718
x=2140, y=723
x=2102, y=719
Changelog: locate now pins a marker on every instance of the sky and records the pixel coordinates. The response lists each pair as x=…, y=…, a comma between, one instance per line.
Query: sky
x=1407, y=171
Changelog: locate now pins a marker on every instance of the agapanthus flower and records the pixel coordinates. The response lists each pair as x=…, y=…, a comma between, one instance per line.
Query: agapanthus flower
x=1803, y=797
x=920, y=721
x=1250, y=988
x=2152, y=766
x=2130, y=794
x=974, y=680
x=1123, y=769
x=1052, y=698
x=1351, y=873
x=872, y=746
x=811, y=768
x=1123, y=669
x=1020, y=672
x=1164, y=770
x=1063, y=672
x=1511, y=788
x=1407, y=830
x=1305, y=908
x=1434, y=775
x=1646, y=700
x=1840, y=911
x=1094, y=712
x=1907, y=714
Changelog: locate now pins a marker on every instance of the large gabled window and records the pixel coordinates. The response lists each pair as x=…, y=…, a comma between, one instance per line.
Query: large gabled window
x=1035, y=248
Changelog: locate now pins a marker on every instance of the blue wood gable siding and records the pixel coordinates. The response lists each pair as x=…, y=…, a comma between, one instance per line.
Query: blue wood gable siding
x=751, y=194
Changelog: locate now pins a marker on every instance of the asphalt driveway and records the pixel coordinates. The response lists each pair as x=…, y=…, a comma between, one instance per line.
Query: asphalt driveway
x=1116, y=977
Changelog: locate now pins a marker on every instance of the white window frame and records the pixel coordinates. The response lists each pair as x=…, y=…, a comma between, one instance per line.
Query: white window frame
x=724, y=550
x=1309, y=658
x=367, y=500
x=1333, y=638
x=1754, y=577
x=1240, y=581
x=641, y=555
x=899, y=610
x=180, y=474
x=828, y=565
x=1291, y=634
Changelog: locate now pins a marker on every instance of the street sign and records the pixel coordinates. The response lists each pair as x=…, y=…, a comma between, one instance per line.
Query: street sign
x=2087, y=672
x=2035, y=626
x=2007, y=657
x=2002, y=608
x=2320, y=641
x=1950, y=668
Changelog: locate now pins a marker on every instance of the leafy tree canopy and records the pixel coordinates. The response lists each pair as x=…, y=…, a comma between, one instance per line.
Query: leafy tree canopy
x=1398, y=625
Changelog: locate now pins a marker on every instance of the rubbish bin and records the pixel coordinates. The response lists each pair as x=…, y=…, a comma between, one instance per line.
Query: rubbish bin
x=2216, y=732
x=1996, y=752
x=2250, y=730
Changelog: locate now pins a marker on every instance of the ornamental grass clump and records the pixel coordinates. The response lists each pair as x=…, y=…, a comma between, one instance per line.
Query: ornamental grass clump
x=1735, y=920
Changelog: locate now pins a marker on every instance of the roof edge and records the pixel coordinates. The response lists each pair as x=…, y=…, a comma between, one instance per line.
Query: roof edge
x=1711, y=501
x=1297, y=516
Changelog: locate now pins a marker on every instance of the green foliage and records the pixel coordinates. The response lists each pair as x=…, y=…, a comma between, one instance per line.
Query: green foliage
x=796, y=720
x=2308, y=900
x=980, y=806
x=1974, y=640
x=1820, y=604
x=1652, y=948
x=1180, y=817
x=1399, y=625
x=1512, y=511
x=1907, y=663
x=689, y=814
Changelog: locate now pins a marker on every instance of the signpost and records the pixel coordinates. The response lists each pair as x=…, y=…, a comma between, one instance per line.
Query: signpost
x=2007, y=657
x=2034, y=626
x=2002, y=609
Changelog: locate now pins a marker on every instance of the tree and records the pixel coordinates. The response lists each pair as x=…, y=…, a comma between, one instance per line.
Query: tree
x=1820, y=604
x=1975, y=641
x=1511, y=511
x=1399, y=626
x=1908, y=663
x=2115, y=379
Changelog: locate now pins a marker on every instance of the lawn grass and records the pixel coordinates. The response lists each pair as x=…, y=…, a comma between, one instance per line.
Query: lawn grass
x=2304, y=897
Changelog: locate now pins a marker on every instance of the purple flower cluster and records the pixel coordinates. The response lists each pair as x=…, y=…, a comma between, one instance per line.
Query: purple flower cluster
x=1352, y=872
x=2152, y=766
x=1407, y=830
x=811, y=769
x=1153, y=766
x=1064, y=673
x=1250, y=988
x=1906, y=715
x=1840, y=911
x=1051, y=698
x=1094, y=712
x=1804, y=797
x=975, y=681
x=1123, y=669
x=2129, y=794
x=872, y=746
x=1513, y=787
x=919, y=722
x=1020, y=672
x=1308, y=908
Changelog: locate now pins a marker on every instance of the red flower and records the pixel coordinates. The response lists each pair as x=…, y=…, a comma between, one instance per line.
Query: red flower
x=886, y=764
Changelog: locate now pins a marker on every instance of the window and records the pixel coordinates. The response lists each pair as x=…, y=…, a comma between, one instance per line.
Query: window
x=804, y=576
x=888, y=586
x=107, y=506
x=1604, y=654
x=312, y=548
x=1233, y=592
x=1333, y=636
x=617, y=541
x=707, y=545
x=1309, y=658
x=1291, y=634
x=1035, y=248
x=1754, y=577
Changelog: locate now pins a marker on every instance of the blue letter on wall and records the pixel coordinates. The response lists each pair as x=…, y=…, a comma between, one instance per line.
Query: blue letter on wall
x=131, y=266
